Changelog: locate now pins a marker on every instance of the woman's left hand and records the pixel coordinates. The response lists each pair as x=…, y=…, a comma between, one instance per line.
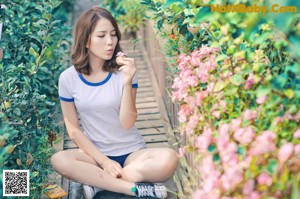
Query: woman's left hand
x=129, y=69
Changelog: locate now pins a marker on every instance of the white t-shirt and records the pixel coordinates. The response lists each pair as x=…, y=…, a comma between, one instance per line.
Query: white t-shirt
x=98, y=106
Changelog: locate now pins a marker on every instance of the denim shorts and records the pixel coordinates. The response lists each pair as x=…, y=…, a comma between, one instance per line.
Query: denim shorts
x=120, y=159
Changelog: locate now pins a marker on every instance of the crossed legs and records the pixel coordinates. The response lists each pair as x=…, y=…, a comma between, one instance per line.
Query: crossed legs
x=146, y=165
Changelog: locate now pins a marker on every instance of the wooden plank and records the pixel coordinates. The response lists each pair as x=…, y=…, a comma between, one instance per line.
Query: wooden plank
x=141, y=81
x=145, y=89
x=158, y=145
x=155, y=138
x=69, y=144
x=148, y=117
x=146, y=84
x=144, y=79
x=148, y=111
x=147, y=105
x=143, y=94
x=145, y=99
x=152, y=131
x=65, y=186
x=149, y=124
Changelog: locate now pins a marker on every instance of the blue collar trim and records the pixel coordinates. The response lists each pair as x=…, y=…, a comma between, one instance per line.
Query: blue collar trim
x=95, y=84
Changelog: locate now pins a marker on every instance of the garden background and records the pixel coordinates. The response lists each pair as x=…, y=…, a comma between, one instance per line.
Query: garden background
x=230, y=81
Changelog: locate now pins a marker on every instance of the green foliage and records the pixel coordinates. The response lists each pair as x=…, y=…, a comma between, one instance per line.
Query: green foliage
x=257, y=69
x=133, y=16
x=35, y=41
x=129, y=13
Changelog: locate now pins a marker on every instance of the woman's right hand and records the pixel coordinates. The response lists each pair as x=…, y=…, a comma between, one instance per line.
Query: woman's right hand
x=112, y=167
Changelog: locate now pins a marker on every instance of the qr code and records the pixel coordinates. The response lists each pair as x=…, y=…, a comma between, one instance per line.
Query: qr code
x=15, y=182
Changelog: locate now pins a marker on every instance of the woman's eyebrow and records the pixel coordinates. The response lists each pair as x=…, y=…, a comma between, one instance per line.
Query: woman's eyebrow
x=105, y=30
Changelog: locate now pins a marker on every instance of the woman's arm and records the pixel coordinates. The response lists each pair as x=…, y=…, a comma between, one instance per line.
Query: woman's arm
x=77, y=136
x=128, y=112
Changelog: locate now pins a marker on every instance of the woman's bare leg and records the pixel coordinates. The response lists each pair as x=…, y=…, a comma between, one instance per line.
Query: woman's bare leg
x=150, y=165
x=78, y=166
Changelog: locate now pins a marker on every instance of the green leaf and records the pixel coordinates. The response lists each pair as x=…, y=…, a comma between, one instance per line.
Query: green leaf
x=33, y=52
x=289, y=93
x=295, y=189
x=272, y=166
x=262, y=91
x=231, y=90
x=284, y=177
x=279, y=82
x=216, y=157
x=236, y=79
x=241, y=150
x=203, y=14
x=212, y=148
x=169, y=2
x=219, y=86
x=221, y=57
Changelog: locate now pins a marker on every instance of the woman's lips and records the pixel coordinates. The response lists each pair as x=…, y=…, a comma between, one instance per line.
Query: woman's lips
x=110, y=51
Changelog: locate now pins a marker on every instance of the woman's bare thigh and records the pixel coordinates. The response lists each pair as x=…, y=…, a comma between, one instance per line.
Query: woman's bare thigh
x=75, y=154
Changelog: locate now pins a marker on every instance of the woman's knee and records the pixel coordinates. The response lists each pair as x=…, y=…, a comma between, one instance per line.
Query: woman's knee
x=171, y=158
x=61, y=162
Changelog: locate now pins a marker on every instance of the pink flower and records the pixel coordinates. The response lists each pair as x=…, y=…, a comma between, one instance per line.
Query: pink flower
x=250, y=80
x=236, y=123
x=225, y=197
x=223, y=104
x=253, y=195
x=204, y=140
x=264, y=179
x=200, y=96
x=192, y=124
x=297, y=149
x=229, y=154
x=232, y=177
x=279, y=119
x=181, y=152
x=224, y=129
x=198, y=194
x=183, y=113
x=250, y=115
x=192, y=81
x=285, y=152
x=245, y=163
x=191, y=102
x=297, y=133
x=223, y=138
x=217, y=114
x=261, y=99
x=244, y=135
x=248, y=187
x=186, y=73
x=203, y=75
x=263, y=143
x=121, y=54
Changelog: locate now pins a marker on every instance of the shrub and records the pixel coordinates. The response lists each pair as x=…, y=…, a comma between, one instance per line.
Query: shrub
x=35, y=41
x=237, y=82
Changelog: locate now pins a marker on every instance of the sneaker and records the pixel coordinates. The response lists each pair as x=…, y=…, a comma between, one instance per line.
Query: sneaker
x=149, y=189
x=89, y=191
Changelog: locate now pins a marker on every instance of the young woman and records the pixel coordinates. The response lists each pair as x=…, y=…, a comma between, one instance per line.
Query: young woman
x=100, y=88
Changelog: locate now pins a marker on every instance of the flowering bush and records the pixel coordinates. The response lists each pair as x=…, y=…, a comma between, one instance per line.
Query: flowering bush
x=238, y=128
x=237, y=81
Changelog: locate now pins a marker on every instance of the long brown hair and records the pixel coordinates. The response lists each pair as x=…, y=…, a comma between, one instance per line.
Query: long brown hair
x=84, y=28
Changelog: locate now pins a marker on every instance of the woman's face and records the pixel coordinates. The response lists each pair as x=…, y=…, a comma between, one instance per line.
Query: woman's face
x=103, y=40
